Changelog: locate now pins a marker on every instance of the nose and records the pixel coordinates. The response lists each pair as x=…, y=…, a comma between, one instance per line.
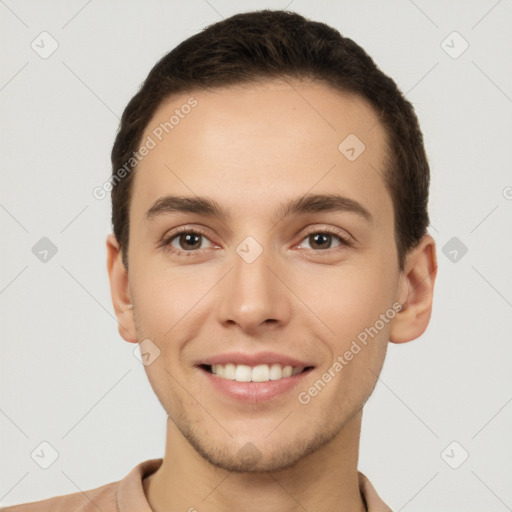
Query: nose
x=253, y=295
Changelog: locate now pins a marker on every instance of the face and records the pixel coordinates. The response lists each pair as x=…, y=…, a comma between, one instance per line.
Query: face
x=284, y=254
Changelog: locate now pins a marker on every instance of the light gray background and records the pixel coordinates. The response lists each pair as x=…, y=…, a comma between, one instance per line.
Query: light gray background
x=67, y=378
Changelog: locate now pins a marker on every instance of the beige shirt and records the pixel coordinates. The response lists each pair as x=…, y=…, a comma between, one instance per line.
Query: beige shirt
x=127, y=495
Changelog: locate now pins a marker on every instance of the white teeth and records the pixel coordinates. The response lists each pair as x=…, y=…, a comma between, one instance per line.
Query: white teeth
x=259, y=373
x=276, y=372
x=243, y=373
x=287, y=371
x=229, y=371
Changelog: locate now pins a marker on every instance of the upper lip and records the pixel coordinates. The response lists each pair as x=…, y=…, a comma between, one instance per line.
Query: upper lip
x=254, y=359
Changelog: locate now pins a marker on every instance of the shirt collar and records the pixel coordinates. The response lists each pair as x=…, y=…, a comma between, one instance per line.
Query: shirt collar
x=131, y=498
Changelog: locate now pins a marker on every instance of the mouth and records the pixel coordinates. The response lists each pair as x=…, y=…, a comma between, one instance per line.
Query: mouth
x=254, y=378
x=258, y=373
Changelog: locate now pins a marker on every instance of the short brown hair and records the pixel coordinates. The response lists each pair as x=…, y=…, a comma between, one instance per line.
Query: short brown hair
x=270, y=44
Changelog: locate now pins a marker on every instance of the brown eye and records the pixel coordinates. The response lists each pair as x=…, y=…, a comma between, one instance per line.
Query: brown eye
x=186, y=241
x=324, y=240
x=320, y=240
x=189, y=241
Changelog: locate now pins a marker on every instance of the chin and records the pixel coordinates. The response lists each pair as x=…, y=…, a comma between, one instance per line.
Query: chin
x=259, y=456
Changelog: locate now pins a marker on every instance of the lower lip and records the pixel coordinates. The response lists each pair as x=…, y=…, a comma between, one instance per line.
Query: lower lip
x=254, y=392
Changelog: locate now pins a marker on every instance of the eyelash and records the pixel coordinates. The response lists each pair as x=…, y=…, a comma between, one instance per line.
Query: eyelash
x=166, y=242
x=345, y=240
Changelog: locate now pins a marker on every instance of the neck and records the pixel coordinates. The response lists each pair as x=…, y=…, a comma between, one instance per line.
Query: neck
x=325, y=480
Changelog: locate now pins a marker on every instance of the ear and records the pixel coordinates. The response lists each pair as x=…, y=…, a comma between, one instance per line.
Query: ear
x=120, y=292
x=415, y=292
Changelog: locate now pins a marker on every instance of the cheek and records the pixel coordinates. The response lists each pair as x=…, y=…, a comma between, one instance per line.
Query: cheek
x=167, y=298
x=349, y=300
x=351, y=306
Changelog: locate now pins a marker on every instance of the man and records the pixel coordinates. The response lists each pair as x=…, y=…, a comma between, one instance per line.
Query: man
x=270, y=191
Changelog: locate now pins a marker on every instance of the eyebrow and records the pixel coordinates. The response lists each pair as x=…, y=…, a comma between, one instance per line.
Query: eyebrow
x=309, y=203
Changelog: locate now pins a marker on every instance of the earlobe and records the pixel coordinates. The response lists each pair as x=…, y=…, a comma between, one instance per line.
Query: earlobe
x=119, y=291
x=415, y=292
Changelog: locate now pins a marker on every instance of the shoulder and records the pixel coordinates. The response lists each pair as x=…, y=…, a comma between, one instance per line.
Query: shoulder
x=102, y=498
x=373, y=501
x=126, y=495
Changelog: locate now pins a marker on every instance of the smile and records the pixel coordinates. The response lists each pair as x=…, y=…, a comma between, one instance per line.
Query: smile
x=259, y=373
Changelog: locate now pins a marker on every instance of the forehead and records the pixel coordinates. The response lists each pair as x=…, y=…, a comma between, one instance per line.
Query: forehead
x=260, y=142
